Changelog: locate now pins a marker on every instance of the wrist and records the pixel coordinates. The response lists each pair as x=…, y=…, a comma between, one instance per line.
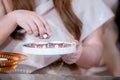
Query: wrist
x=12, y=17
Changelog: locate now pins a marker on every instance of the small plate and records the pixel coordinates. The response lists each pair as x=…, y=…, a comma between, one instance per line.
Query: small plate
x=49, y=48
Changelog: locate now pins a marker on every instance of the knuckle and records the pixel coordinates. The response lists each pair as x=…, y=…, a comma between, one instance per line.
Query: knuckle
x=35, y=33
x=35, y=29
x=28, y=31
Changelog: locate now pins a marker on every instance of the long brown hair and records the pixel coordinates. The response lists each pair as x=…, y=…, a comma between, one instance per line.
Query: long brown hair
x=24, y=4
x=70, y=20
x=64, y=8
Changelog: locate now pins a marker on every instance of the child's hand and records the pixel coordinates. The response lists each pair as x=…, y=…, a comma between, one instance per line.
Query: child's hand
x=31, y=22
x=74, y=57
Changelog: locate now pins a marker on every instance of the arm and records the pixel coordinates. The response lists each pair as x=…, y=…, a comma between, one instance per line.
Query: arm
x=91, y=51
x=5, y=28
x=30, y=21
x=93, y=47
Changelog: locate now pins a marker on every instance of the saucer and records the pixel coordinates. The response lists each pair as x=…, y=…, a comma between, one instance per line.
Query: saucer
x=49, y=48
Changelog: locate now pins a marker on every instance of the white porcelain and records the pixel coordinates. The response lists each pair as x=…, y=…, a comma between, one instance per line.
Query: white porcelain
x=49, y=50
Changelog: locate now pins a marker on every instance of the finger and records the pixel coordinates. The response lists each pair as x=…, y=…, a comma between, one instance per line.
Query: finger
x=46, y=26
x=34, y=28
x=79, y=47
x=76, y=42
x=27, y=28
x=40, y=26
x=72, y=58
x=66, y=56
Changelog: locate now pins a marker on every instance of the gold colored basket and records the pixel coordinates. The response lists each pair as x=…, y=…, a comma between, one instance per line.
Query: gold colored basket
x=7, y=68
x=10, y=60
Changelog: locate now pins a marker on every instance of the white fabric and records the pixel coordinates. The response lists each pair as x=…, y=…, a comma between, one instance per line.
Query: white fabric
x=92, y=14
x=112, y=4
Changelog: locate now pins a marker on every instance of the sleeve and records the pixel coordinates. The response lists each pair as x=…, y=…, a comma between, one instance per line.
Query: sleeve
x=92, y=13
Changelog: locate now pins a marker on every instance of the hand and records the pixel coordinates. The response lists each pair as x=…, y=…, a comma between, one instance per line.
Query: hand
x=31, y=22
x=72, y=58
